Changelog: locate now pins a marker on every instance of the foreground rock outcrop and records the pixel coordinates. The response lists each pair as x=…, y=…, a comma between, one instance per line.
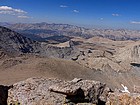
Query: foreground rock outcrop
x=78, y=91
x=39, y=91
x=34, y=91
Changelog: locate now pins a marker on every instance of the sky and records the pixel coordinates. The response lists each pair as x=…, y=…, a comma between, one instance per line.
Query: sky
x=116, y=14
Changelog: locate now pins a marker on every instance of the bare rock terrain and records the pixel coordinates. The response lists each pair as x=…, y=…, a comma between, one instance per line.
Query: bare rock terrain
x=39, y=91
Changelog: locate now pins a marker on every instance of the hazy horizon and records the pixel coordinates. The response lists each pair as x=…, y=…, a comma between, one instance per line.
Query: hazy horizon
x=106, y=14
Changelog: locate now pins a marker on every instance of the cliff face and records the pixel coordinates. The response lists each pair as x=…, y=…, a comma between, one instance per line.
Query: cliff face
x=130, y=53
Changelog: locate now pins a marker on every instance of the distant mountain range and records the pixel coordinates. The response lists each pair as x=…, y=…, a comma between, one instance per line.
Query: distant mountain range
x=41, y=31
x=15, y=43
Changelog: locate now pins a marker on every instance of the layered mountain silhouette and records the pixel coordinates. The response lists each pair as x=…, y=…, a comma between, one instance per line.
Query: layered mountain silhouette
x=40, y=31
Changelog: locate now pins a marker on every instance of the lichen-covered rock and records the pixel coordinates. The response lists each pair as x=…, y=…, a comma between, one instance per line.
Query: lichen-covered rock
x=39, y=91
x=123, y=99
x=34, y=91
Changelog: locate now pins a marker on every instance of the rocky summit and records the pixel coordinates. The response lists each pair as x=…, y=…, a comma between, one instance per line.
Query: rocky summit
x=41, y=91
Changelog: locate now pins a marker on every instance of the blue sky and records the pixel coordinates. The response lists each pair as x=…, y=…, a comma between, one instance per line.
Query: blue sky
x=89, y=13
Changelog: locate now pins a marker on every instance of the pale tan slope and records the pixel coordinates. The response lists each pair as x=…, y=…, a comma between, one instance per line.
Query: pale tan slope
x=97, y=39
x=20, y=68
x=100, y=43
x=113, y=58
x=65, y=44
x=104, y=57
x=16, y=69
x=98, y=52
x=101, y=40
x=78, y=39
x=129, y=54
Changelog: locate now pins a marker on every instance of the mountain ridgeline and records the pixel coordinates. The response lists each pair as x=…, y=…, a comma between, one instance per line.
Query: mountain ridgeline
x=41, y=31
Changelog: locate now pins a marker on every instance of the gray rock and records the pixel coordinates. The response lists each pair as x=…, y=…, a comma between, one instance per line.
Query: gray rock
x=34, y=91
x=39, y=91
x=79, y=90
